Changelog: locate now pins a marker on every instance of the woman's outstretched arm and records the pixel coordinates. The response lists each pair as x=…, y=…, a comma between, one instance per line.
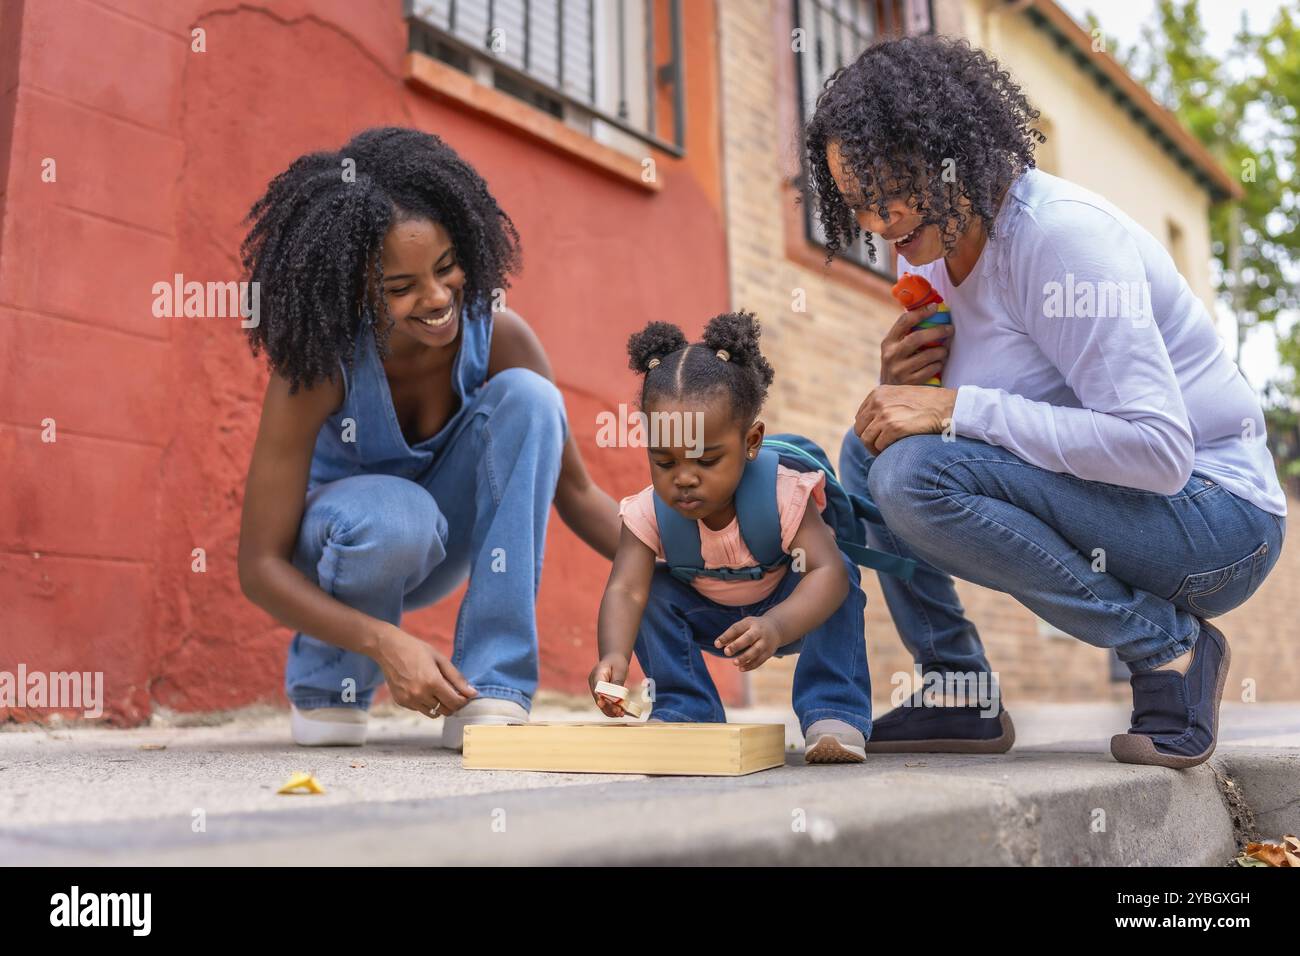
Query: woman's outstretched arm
x=583, y=505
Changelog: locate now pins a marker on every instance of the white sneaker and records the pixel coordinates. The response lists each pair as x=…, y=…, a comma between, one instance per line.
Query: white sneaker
x=834, y=741
x=481, y=710
x=328, y=726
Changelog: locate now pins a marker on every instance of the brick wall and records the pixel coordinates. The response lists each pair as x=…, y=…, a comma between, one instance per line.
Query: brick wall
x=827, y=359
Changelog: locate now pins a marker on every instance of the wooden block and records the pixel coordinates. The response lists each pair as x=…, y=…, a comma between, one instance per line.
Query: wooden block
x=635, y=701
x=638, y=703
x=707, y=750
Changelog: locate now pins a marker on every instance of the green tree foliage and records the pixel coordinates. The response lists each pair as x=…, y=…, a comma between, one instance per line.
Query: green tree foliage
x=1244, y=108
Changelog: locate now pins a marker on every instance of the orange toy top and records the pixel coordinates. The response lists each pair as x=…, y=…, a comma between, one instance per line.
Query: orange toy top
x=913, y=292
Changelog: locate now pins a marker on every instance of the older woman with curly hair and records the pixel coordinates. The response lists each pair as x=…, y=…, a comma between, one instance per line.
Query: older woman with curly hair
x=411, y=437
x=1092, y=450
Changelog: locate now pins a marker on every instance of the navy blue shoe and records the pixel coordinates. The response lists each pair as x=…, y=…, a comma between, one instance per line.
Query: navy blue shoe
x=1176, y=716
x=915, y=728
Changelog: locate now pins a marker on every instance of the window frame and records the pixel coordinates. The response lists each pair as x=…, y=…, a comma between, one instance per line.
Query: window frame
x=886, y=265
x=485, y=67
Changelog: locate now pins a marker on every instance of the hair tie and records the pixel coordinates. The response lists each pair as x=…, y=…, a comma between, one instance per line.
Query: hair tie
x=653, y=363
x=724, y=354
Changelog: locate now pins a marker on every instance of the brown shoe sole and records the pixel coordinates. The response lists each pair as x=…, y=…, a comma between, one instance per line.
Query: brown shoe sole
x=1139, y=748
x=830, y=749
x=957, y=745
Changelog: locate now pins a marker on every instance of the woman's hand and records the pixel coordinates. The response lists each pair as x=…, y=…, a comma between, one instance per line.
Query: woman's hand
x=613, y=669
x=751, y=641
x=419, y=677
x=892, y=412
x=903, y=358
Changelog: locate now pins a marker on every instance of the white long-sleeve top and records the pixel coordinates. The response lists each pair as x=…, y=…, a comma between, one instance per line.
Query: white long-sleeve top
x=1079, y=346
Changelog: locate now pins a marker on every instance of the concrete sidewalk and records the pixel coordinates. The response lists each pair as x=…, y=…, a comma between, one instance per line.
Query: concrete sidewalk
x=87, y=796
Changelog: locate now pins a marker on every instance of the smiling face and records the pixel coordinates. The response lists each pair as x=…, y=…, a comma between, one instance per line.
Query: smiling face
x=423, y=284
x=914, y=240
x=698, y=478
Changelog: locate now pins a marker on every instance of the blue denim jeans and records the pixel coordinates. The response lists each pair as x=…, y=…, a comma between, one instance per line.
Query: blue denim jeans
x=383, y=544
x=1113, y=566
x=830, y=678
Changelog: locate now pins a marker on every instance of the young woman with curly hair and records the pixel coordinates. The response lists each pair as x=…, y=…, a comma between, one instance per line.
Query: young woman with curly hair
x=1092, y=449
x=410, y=437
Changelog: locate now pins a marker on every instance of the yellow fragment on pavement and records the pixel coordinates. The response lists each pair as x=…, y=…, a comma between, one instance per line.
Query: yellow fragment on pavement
x=301, y=783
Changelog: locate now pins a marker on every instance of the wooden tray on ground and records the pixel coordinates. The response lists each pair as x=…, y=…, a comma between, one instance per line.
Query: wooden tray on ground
x=709, y=750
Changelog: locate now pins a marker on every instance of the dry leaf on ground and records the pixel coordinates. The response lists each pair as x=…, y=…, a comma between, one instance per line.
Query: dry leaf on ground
x=1286, y=853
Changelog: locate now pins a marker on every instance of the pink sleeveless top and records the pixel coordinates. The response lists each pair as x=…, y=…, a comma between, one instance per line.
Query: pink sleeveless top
x=726, y=548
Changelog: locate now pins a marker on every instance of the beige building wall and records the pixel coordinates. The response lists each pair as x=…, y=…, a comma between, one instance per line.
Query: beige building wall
x=822, y=330
x=1096, y=144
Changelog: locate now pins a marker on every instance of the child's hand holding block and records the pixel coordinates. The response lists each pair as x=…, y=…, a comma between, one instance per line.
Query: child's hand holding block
x=634, y=701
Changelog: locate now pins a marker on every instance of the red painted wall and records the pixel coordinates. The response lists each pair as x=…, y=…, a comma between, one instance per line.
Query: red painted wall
x=160, y=151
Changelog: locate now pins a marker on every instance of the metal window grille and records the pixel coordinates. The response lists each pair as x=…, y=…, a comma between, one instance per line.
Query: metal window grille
x=587, y=62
